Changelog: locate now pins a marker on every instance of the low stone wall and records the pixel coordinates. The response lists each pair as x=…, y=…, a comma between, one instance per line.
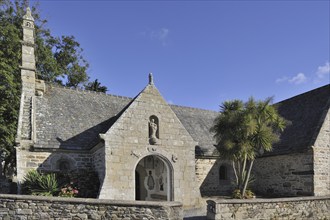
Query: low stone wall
x=37, y=207
x=285, y=208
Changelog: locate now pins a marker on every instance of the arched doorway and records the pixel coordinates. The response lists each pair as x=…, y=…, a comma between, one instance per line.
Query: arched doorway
x=153, y=179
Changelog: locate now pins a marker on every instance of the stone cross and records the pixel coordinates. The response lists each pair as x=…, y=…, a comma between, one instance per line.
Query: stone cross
x=151, y=79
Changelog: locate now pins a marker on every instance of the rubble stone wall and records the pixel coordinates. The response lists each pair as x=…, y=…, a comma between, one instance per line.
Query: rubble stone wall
x=287, y=208
x=284, y=175
x=34, y=207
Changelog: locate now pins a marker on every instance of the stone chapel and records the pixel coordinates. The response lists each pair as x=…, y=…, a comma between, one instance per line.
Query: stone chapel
x=143, y=148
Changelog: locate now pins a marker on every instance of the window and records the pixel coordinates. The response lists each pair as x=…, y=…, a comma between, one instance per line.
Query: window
x=223, y=173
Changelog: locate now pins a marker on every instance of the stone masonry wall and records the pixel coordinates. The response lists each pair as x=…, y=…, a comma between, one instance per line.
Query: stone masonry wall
x=99, y=162
x=207, y=176
x=321, y=152
x=127, y=143
x=32, y=207
x=46, y=161
x=284, y=175
x=292, y=208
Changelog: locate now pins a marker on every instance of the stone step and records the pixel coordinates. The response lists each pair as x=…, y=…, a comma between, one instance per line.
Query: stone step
x=26, y=124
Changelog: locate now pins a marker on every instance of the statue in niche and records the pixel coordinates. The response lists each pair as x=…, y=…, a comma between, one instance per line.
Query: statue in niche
x=153, y=128
x=150, y=181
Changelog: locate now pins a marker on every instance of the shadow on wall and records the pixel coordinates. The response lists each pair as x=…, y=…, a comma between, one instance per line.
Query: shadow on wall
x=7, y=186
x=64, y=165
x=88, y=138
x=218, y=181
x=74, y=159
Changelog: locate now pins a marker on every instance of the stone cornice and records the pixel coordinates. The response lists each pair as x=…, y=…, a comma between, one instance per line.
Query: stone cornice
x=27, y=68
x=28, y=43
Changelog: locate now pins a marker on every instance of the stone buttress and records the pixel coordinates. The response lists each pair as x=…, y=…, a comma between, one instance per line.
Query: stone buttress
x=25, y=137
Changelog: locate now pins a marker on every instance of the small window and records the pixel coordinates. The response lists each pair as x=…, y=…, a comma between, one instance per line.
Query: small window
x=223, y=173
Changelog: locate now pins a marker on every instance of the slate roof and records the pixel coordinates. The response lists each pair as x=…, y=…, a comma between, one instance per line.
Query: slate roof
x=72, y=119
x=306, y=112
x=198, y=123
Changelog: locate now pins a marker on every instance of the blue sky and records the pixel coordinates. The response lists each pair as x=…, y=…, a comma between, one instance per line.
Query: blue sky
x=201, y=53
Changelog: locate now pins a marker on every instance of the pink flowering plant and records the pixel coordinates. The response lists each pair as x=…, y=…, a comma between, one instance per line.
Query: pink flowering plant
x=69, y=190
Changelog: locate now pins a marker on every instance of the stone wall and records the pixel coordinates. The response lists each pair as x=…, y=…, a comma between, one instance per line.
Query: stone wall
x=321, y=150
x=127, y=142
x=99, y=161
x=284, y=175
x=78, y=168
x=207, y=176
x=32, y=207
x=287, y=208
x=49, y=161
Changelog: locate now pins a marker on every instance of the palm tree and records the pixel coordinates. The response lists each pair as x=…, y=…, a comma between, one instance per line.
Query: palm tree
x=96, y=86
x=244, y=131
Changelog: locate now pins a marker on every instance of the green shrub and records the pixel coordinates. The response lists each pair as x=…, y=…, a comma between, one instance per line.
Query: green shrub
x=39, y=184
x=249, y=194
x=237, y=194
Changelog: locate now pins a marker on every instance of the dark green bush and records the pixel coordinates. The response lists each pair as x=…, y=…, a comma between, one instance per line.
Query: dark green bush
x=39, y=184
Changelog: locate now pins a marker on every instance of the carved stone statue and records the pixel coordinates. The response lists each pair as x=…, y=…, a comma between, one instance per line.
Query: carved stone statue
x=150, y=181
x=153, y=129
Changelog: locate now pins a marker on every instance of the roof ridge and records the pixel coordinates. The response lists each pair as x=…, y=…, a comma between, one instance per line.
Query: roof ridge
x=193, y=108
x=53, y=85
x=119, y=96
x=303, y=94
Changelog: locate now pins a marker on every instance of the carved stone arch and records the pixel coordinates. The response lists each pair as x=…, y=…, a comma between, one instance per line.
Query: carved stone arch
x=63, y=163
x=159, y=184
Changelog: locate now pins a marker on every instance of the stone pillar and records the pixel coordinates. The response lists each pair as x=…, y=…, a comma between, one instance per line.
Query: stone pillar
x=28, y=76
x=25, y=134
x=28, y=67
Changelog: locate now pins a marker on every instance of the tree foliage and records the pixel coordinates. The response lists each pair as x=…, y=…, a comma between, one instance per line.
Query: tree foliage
x=96, y=87
x=244, y=131
x=10, y=37
x=58, y=60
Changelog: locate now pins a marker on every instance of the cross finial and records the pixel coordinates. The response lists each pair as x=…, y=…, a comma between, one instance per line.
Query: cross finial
x=151, y=79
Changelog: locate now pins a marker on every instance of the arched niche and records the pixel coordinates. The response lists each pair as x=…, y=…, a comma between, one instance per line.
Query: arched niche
x=62, y=163
x=154, y=179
